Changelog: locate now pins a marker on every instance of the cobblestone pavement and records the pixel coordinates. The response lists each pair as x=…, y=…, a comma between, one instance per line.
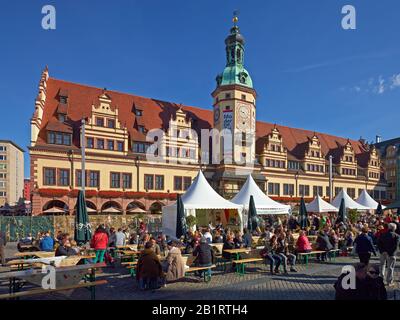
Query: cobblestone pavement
x=312, y=282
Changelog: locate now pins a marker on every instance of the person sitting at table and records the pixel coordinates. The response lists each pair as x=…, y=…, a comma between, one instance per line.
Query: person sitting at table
x=173, y=266
x=149, y=273
x=313, y=231
x=334, y=239
x=238, y=240
x=323, y=244
x=247, y=238
x=269, y=253
x=207, y=235
x=47, y=243
x=228, y=245
x=204, y=255
x=65, y=248
x=218, y=238
x=99, y=243
x=303, y=245
x=282, y=250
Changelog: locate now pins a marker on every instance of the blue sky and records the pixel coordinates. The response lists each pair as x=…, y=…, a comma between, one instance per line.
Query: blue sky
x=308, y=71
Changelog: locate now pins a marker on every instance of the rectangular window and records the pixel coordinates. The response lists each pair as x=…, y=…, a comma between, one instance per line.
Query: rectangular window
x=78, y=175
x=127, y=180
x=351, y=192
x=67, y=139
x=49, y=177
x=111, y=123
x=59, y=138
x=3, y=194
x=51, y=138
x=63, y=177
x=274, y=188
x=90, y=143
x=159, y=182
x=337, y=190
x=100, y=143
x=141, y=129
x=187, y=181
x=149, y=182
x=304, y=190
x=317, y=191
x=120, y=145
x=139, y=147
x=288, y=189
x=110, y=145
x=2, y=184
x=178, y=183
x=328, y=193
x=3, y=175
x=3, y=166
x=94, y=179
x=115, y=180
x=3, y=148
x=100, y=122
x=3, y=158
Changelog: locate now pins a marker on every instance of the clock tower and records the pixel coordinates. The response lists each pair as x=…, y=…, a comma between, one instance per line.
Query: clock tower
x=235, y=103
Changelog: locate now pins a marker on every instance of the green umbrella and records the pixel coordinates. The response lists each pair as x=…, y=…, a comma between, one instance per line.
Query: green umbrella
x=252, y=221
x=379, y=210
x=181, y=227
x=342, y=213
x=83, y=231
x=303, y=214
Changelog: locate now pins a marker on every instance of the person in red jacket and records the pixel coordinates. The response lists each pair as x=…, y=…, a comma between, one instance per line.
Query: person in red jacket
x=303, y=244
x=99, y=243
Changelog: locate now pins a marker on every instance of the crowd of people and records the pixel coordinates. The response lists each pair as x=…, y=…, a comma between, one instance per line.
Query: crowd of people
x=280, y=242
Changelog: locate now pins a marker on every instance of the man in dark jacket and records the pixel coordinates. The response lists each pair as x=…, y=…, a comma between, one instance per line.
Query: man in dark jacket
x=364, y=246
x=323, y=244
x=388, y=245
x=65, y=248
x=204, y=254
x=368, y=285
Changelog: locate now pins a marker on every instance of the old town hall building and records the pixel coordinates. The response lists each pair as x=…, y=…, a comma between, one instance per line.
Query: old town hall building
x=286, y=162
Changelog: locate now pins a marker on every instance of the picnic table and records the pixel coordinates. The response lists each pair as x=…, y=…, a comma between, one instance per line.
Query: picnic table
x=67, y=278
x=237, y=252
x=32, y=254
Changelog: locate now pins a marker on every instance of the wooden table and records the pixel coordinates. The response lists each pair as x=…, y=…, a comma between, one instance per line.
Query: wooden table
x=237, y=252
x=38, y=254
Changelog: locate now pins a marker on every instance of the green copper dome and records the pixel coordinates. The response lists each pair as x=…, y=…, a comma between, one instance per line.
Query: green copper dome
x=234, y=72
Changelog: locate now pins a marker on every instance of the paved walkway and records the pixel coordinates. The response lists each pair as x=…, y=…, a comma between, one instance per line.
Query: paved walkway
x=312, y=282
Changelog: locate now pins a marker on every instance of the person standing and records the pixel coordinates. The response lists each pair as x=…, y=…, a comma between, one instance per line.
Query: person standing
x=364, y=246
x=3, y=243
x=99, y=243
x=120, y=238
x=388, y=245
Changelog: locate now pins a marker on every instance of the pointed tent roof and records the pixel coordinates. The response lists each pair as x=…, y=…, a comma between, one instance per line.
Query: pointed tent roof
x=201, y=195
x=261, y=200
x=318, y=205
x=367, y=201
x=349, y=203
x=111, y=210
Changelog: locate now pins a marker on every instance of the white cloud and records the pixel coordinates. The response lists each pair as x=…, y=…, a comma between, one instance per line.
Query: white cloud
x=395, y=81
x=378, y=85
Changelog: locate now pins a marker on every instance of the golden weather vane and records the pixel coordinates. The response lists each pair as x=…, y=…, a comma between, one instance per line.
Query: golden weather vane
x=235, y=17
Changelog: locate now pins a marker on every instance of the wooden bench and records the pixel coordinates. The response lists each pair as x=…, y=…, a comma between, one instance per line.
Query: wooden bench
x=39, y=291
x=305, y=255
x=241, y=264
x=206, y=275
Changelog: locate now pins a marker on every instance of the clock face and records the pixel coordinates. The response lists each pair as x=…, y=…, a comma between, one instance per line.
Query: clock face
x=216, y=114
x=244, y=113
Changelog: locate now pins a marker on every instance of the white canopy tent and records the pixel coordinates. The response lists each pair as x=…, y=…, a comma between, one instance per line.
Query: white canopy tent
x=264, y=204
x=318, y=205
x=367, y=201
x=349, y=203
x=200, y=195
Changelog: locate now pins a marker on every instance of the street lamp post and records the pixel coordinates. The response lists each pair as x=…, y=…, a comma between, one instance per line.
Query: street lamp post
x=296, y=176
x=330, y=178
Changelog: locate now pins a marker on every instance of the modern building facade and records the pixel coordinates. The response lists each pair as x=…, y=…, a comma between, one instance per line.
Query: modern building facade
x=122, y=129
x=11, y=173
x=390, y=153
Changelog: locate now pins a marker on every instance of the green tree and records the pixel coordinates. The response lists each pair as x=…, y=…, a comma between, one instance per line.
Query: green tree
x=191, y=221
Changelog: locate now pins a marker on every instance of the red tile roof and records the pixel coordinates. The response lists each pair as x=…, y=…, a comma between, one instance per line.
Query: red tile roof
x=157, y=114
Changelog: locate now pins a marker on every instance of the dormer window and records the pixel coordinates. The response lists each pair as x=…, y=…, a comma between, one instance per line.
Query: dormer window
x=62, y=117
x=111, y=123
x=59, y=138
x=63, y=99
x=141, y=129
x=138, y=113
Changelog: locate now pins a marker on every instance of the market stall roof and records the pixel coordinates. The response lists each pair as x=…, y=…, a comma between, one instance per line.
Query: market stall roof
x=319, y=205
x=55, y=210
x=201, y=195
x=264, y=204
x=111, y=210
x=349, y=203
x=367, y=201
